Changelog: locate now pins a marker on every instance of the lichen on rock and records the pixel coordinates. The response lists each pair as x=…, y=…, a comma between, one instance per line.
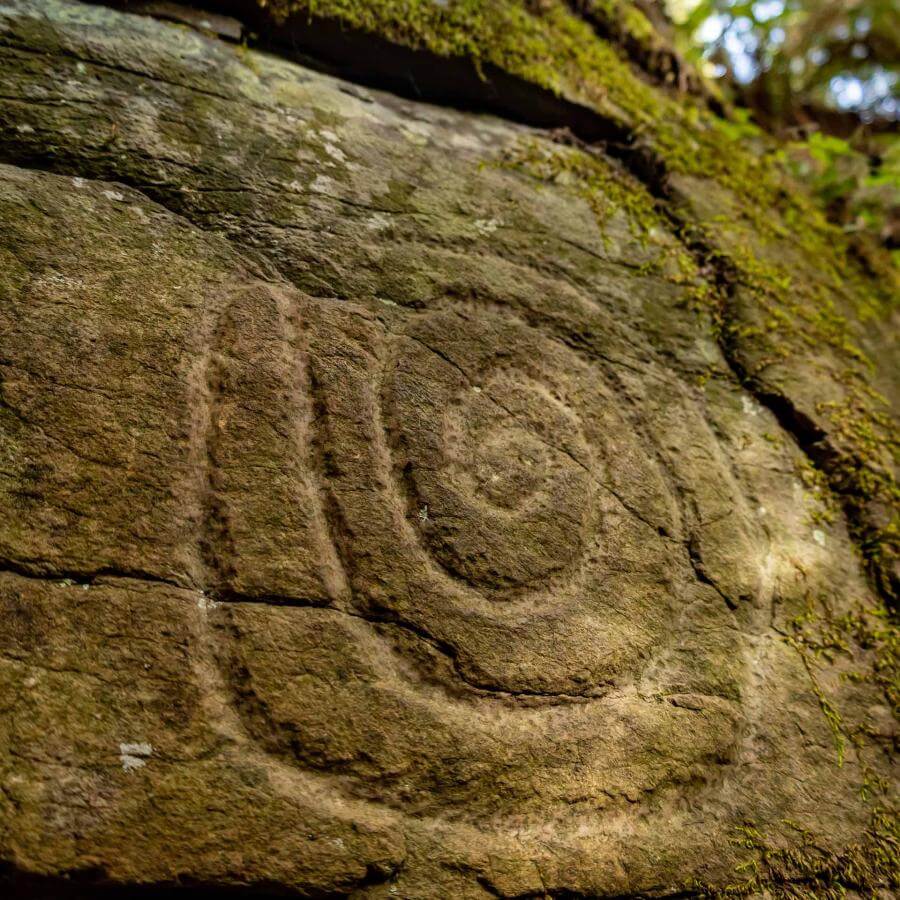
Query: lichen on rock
x=399, y=500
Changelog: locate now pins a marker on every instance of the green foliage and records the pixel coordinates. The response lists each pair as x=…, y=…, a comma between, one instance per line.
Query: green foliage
x=861, y=197
x=801, y=51
x=835, y=170
x=830, y=66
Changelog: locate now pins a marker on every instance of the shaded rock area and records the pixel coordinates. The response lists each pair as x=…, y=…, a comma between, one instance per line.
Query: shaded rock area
x=385, y=510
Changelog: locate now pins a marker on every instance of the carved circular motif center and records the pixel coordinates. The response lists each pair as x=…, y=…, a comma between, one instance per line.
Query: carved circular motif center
x=493, y=453
x=504, y=495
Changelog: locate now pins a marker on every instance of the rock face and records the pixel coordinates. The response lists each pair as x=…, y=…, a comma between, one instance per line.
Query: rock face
x=384, y=514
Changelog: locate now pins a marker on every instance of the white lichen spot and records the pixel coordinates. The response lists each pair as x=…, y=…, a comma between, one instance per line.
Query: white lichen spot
x=113, y=195
x=57, y=279
x=476, y=389
x=762, y=510
x=80, y=68
x=24, y=129
x=378, y=222
x=223, y=127
x=78, y=182
x=134, y=756
x=819, y=537
x=329, y=135
x=415, y=134
x=465, y=142
x=322, y=184
x=335, y=153
x=206, y=603
x=296, y=187
x=487, y=226
x=751, y=407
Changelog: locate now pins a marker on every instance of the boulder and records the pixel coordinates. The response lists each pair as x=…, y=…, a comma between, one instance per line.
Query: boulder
x=401, y=500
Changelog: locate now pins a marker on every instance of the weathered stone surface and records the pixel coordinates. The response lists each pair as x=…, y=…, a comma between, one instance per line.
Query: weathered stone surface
x=379, y=519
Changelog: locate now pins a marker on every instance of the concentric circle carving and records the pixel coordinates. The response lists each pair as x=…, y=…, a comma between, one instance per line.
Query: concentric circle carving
x=510, y=605
x=495, y=458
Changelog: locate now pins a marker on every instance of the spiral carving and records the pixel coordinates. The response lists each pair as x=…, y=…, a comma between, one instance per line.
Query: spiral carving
x=494, y=455
x=501, y=529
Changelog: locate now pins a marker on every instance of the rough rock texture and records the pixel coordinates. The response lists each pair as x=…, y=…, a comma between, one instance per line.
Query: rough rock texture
x=385, y=513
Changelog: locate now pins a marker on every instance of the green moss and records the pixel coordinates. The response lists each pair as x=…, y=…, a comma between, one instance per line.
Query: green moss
x=799, y=867
x=636, y=25
x=246, y=57
x=866, y=636
x=606, y=187
x=816, y=482
x=822, y=636
x=796, y=864
x=547, y=45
